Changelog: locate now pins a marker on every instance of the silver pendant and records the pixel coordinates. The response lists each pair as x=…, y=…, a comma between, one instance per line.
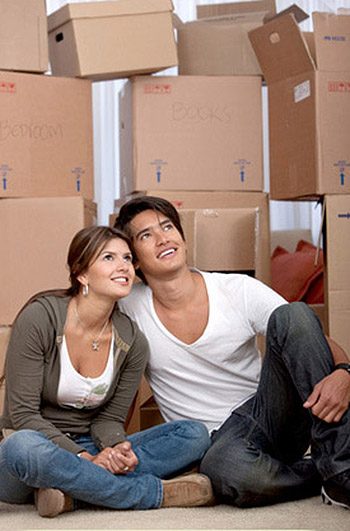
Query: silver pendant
x=95, y=345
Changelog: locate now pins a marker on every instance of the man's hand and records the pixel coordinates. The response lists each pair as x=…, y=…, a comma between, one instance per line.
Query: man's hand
x=330, y=398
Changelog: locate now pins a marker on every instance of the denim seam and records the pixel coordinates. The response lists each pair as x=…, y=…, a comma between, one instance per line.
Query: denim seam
x=159, y=494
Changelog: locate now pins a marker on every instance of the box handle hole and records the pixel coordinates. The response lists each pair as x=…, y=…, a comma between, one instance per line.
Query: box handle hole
x=59, y=37
x=274, y=38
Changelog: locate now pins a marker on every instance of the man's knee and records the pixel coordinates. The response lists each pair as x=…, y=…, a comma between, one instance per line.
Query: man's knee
x=294, y=322
x=294, y=315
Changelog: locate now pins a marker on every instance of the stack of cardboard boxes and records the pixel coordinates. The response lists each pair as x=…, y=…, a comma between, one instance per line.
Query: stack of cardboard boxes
x=46, y=169
x=196, y=140
x=308, y=77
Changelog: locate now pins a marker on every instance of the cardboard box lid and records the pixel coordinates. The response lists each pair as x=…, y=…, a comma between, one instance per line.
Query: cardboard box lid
x=267, y=7
x=281, y=49
x=332, y=41
x=222, y=22
x=263, y=10
x=106, y=9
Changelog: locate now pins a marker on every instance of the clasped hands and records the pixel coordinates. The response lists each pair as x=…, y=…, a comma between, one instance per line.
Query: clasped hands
x=119, y=459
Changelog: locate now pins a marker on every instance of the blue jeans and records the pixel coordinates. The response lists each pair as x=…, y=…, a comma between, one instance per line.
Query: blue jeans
x=257, y=455
x=29, y=460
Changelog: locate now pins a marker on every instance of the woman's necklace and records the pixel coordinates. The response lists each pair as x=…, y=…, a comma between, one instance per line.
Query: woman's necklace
x=95, y=343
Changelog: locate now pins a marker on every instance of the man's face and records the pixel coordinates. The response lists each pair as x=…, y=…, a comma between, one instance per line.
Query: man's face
x=158, y=245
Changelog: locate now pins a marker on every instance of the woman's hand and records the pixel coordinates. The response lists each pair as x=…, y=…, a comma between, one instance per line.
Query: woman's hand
x=119, y=460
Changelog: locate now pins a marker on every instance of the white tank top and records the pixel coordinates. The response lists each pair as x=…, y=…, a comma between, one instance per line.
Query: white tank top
x=79, y=391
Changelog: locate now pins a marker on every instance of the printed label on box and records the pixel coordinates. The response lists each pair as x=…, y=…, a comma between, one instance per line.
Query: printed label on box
x=342, y=166
x=158, y=163
x=242, y=163
x=338, y=86
x=5, y=170
x=334, y=38
x=78, y=172
x=157, y=88
x=345, y=215
x=7, y=86
x=302, y=91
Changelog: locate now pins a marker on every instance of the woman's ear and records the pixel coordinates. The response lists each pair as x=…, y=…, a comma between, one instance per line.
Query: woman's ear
x=83, y=279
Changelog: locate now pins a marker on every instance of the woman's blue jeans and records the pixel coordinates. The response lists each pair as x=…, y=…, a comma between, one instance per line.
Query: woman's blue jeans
x=257, y=456
x=29, y=460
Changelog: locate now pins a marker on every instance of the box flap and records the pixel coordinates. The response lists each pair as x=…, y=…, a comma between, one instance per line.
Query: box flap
x=281, y=49
x=298, y=13
x=256, y=18
x=221, y=10
x=106, y=9
x=332, y=41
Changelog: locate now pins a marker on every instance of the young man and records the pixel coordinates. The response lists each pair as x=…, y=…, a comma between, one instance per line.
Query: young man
x=204, y=365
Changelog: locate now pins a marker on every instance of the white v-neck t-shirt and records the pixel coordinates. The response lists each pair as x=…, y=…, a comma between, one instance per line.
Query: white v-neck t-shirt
x=211, y=377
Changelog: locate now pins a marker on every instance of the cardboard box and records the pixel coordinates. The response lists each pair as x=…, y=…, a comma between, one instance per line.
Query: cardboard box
x=218, y=43
x=23, y=37
x=337, y=258
x=321, y=312
x=309, y=104
x=34, y=238
x=108, y=40
x=5, y=332
x=223, y=239
x=183, y=199
x=45, y=136
x=191, y=133
x=144, y=412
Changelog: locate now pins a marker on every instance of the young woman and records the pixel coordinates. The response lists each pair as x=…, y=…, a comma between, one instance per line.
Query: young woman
x=73, y=366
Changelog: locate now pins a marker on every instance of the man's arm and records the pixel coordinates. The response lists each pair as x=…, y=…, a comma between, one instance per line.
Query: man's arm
x=330, y=398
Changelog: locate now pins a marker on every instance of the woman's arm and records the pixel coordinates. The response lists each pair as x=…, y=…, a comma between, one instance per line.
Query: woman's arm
x=32, y=338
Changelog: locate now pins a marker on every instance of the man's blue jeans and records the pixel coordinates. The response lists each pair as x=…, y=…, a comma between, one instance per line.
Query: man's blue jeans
x=256, y=457
x=29, y=460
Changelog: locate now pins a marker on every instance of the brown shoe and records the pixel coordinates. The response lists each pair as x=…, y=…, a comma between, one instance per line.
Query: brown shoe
x=191, y=490
x=51, y=502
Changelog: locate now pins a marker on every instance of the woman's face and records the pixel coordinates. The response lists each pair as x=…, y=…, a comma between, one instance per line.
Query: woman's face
x=111, y=272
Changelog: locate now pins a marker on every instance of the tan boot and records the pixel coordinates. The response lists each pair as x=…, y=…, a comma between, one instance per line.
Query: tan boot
x=52, y=502
x=190, y=490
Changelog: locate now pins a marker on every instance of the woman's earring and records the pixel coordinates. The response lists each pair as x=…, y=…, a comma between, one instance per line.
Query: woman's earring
x=86, y=290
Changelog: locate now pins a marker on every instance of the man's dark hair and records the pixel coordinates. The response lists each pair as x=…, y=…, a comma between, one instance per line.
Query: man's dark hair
x=146, y=202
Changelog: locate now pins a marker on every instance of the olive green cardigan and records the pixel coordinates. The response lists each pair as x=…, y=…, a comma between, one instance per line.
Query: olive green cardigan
x=33, y=370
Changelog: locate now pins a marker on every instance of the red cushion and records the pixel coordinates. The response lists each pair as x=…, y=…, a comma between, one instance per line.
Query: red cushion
x=295, y=275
